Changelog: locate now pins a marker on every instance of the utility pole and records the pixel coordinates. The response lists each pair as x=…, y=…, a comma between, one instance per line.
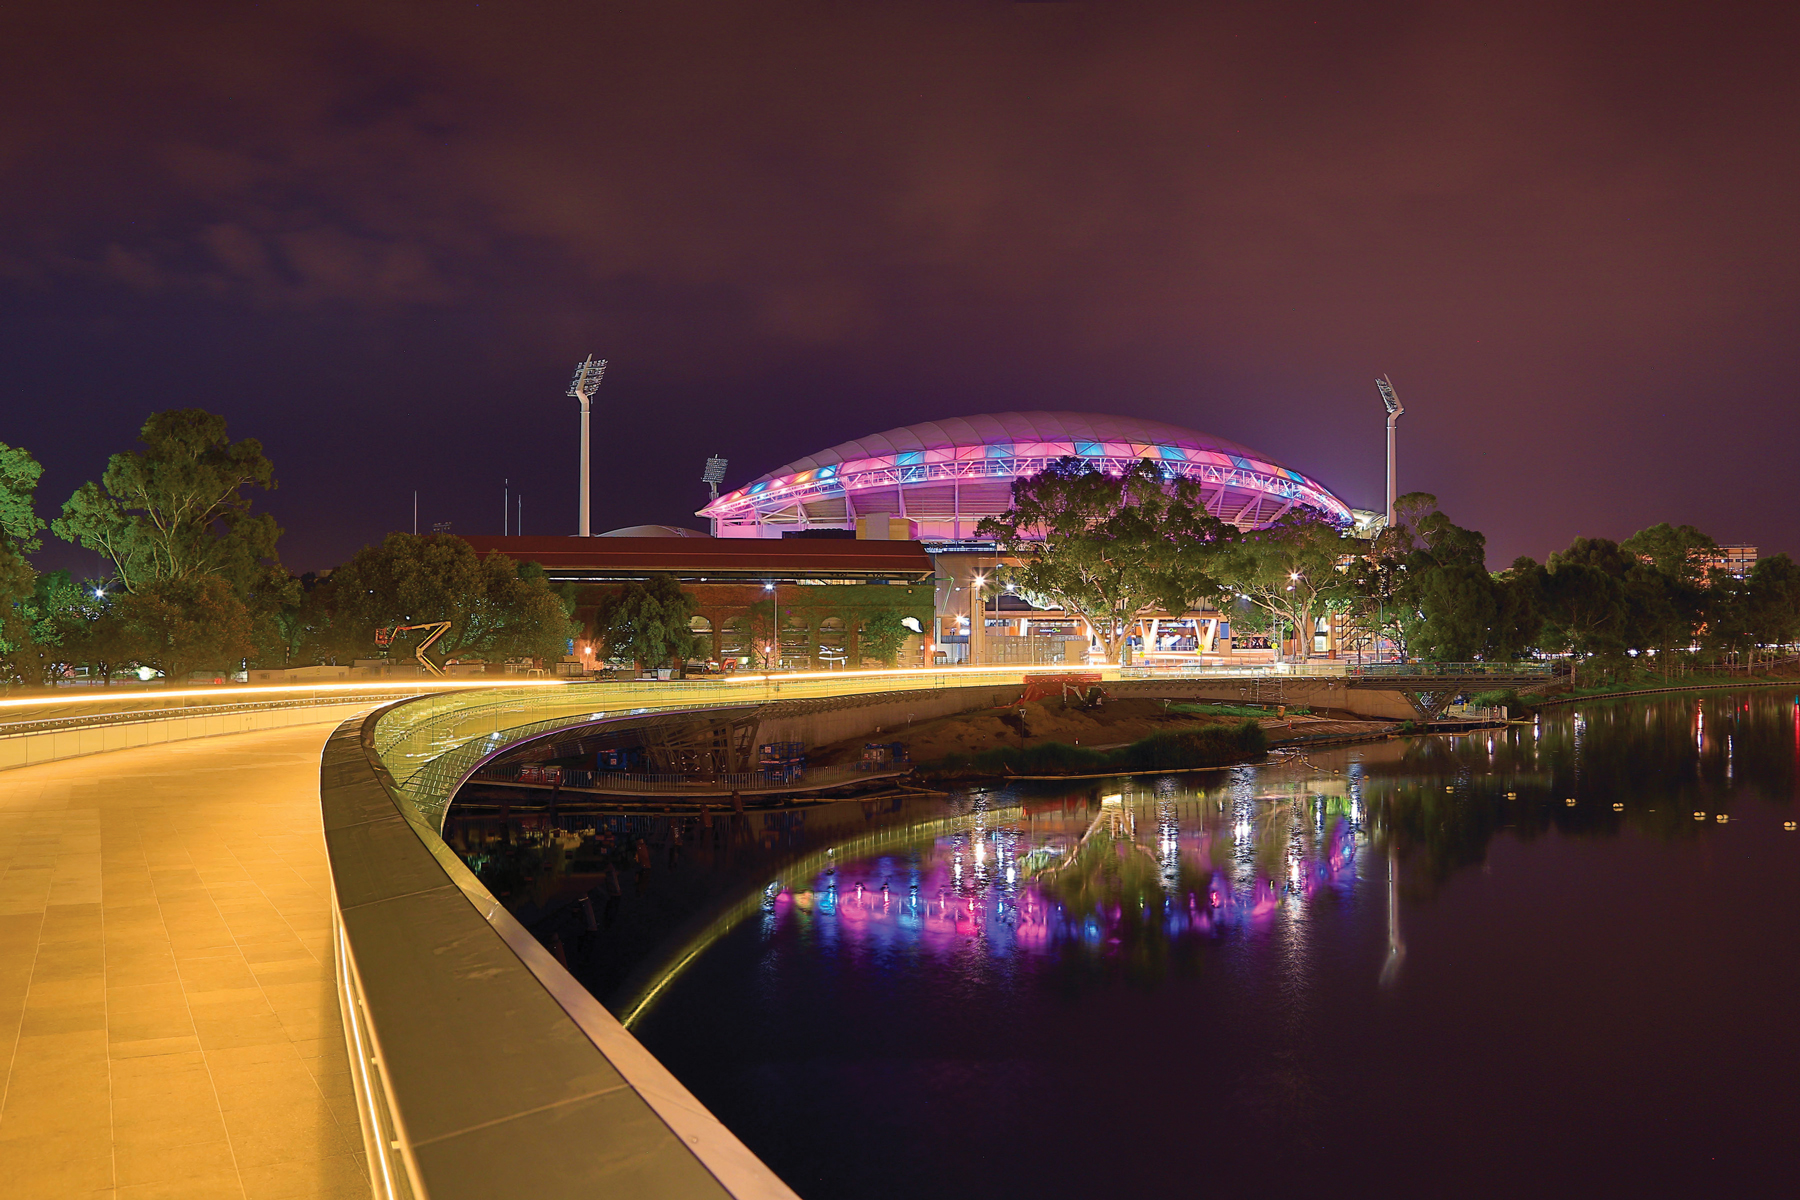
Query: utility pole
x=1394, y=408
x=586, y=382
x=505, y=504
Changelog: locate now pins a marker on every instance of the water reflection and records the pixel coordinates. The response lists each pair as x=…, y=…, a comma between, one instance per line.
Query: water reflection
x=1470, y=939
x=1127, y=871
x=1119, y=875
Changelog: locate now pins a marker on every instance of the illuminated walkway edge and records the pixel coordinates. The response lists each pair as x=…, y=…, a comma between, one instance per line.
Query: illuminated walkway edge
x=482, y=1068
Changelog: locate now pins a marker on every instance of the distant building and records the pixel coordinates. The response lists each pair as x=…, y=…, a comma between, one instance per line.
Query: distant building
x=826, y=588
x=1737, y=561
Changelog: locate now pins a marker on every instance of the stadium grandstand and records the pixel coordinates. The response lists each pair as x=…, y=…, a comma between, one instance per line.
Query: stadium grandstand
x=934, y=481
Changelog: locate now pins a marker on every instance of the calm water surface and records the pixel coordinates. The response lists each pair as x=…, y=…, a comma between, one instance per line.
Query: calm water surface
x=1370, y=969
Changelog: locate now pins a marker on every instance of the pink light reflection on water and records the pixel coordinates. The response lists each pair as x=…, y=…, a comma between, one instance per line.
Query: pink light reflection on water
x=937, y=905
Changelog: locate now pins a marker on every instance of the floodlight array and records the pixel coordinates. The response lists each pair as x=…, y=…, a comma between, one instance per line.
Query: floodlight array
x=587, y=377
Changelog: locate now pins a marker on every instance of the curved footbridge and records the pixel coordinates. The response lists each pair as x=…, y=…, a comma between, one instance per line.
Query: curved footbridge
x=168, y=1018
x=202, y=996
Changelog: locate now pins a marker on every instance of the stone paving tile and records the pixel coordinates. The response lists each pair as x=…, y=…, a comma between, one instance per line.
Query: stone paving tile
x=168, y=1018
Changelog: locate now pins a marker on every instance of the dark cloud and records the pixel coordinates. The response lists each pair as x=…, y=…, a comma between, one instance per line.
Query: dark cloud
x=378, y=236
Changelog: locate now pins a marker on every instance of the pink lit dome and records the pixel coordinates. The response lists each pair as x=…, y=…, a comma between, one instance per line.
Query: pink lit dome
x=945, y=476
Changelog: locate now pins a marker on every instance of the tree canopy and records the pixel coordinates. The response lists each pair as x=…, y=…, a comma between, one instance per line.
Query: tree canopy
x=180, y=507
x=1108, y=547
x=496, y=610
x=181, y=625
x=1425, y=586
x=647, y=621
x=1289, y=572
x=19, y=528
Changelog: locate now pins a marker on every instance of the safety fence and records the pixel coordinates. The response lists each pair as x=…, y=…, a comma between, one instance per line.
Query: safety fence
x=50, y=728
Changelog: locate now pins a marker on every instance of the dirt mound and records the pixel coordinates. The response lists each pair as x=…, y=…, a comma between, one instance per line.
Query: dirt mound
x=1113, y=723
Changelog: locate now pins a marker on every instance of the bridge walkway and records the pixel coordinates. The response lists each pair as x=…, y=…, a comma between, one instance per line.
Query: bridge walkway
x=168, y=1020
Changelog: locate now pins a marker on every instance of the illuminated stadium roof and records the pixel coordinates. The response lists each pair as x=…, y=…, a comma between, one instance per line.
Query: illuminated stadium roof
x=945, y=476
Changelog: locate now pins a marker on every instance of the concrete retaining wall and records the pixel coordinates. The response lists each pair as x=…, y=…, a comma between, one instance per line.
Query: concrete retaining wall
x=28, y=749
x=1277, y=689
x=835, y=722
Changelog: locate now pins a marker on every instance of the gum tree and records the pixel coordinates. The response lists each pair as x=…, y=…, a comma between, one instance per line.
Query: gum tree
x=1108, y=548
x=1290, y=572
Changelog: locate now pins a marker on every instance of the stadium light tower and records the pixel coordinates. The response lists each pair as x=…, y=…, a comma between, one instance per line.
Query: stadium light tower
x=1394, y=408
x=714, y=474
x=712, y=477
x=585, y=384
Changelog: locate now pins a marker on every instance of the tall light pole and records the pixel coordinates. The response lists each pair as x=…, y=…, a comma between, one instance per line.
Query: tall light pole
x=585, y=384
x=1394, y=408
x=977, y=618
x=773, y=658
x=712, y=477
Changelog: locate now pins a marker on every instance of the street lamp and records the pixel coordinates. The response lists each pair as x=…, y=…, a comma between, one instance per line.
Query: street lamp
x=586, y=382
x=774, y=626
x=977, y=618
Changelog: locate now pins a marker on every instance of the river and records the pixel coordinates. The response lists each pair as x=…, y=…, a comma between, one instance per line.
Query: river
x=1551, y=959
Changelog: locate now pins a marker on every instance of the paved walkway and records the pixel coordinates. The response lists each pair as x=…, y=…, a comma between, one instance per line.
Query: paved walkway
x=168, y=1020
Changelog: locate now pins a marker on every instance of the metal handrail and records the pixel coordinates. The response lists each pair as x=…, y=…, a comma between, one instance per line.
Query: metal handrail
x=1418, y=670
x=178, y=711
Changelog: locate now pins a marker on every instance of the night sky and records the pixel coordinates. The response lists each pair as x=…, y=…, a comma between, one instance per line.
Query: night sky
x=379, y=237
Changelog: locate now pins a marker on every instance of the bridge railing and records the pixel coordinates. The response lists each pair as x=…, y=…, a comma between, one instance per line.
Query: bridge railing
x=47, y=726
x=1309, y=670
x=1459, y=670
x=434, y=743
x=481, y=1067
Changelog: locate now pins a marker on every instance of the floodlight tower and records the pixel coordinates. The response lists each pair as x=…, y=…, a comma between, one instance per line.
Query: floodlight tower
x=1394, y=408
x=712, y=477
x=585, y=384
x=714, y=474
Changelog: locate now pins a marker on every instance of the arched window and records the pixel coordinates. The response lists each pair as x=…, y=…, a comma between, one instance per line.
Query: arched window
x=699, y=624
x=796, y=641
x=833, y=642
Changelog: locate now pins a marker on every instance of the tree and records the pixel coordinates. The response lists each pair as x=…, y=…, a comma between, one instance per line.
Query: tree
x=182, y=625
x=647, y=621
x=883, y=632
x=1775, y=581
x=19, y=475
x=1520, y=624
x=1671, y=549
x=1108, y=548
x=1753, y=614
x=1426, y=586
x=496, y=609
x=19, y=527
x=1289, y=572
x=1585, y=606
x=179, y=508
x=51, y=617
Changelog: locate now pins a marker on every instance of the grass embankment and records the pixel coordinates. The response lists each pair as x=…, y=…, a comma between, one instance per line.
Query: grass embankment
x=1186, y=750
x=1253, y=711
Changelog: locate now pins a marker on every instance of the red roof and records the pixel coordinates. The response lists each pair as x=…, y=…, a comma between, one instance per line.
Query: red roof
x=701, y=555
